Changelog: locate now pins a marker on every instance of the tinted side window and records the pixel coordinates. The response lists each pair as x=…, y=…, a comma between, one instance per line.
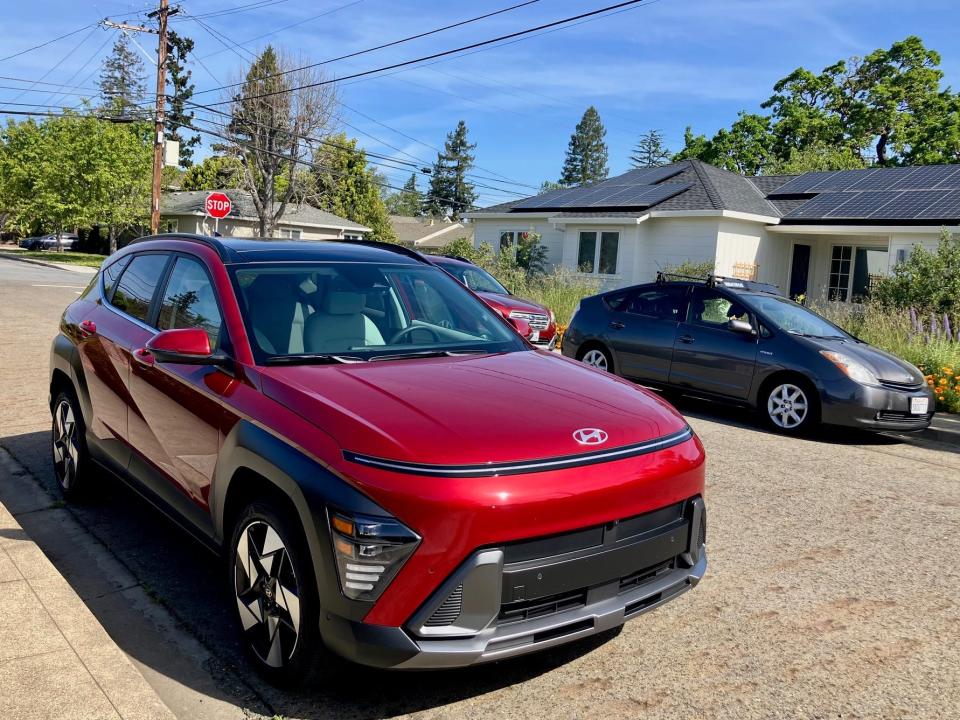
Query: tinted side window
x=111, y=273
x=137, y=284
x=617, y=301
x=189, y=300
x=662, y=303
x=710, y=308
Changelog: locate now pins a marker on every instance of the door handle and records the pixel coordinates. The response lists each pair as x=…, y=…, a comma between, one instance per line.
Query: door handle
x=617, y=325
x=144, y=357
x=88, y=328
x=687, y=339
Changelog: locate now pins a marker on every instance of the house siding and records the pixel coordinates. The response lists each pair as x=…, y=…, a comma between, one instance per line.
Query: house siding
x=672, y=241
x=244, y=228
x=740, y=241
x=488, y=231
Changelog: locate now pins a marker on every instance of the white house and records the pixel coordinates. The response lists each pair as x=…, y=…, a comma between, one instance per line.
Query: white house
x=184, y=212
x=819, y=234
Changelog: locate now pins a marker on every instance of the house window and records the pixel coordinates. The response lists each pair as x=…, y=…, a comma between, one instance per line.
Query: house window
x=507, y=240
x=352, y=236
x=840, y=261
x=598, y=258
x=854, y=270
x=171, y=226
x=290, y=233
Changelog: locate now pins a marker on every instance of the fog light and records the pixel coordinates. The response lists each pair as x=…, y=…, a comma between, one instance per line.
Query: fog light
x=369, y=552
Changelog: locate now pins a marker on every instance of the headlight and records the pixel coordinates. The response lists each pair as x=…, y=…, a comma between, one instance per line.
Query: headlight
x=369, y=552
x=856, y=371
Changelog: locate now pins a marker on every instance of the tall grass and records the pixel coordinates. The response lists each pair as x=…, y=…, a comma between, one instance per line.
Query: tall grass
x=560, y=290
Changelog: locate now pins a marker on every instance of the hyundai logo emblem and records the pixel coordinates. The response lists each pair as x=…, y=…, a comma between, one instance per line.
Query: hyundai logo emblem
x=590, y=436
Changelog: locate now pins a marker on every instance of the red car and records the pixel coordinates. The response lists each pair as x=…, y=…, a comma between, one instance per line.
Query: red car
x=392, y=472
x=542, y=321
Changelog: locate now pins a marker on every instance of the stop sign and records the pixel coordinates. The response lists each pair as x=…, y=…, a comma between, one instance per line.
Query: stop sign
x=217, y=205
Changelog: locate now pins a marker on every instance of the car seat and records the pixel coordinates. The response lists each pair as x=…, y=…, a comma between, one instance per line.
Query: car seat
x=341, y=325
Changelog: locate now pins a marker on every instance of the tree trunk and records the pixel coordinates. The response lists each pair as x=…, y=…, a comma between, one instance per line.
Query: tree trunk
x=112, y=233
x=882, y=147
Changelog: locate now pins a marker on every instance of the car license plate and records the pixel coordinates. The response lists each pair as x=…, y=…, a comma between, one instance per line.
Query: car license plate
x=919, y=405
x=535, y=336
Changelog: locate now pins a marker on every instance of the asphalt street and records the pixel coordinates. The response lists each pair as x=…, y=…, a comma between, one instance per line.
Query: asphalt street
x=832, y=587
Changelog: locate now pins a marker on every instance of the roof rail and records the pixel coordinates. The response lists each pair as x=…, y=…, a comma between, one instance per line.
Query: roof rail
x=222, y=251
x=391, y=247
x=712, y=281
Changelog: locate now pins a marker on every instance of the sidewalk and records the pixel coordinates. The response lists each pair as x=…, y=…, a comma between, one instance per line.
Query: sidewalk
x=82, y=269
x=56, y=661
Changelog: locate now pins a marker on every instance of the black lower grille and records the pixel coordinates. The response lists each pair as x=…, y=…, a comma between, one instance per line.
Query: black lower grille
x=642, y=577
x=905, y=419
x=449, y=609
x=703, y=528
x=541, y=607
x=894, y=385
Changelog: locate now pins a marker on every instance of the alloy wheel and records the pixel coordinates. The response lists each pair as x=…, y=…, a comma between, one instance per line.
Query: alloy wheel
x=596, y=358
x=787, y=406
x=66, y=448
x=268, y=594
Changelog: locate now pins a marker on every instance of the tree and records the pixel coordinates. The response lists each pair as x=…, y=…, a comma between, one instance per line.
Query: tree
x=407, y=201
x=815, y=158
x=549, y=186
x=747, y=147
x=586, y=159
x=274, y=120
x=346, y=186
x=217, y=172
x=74, y=171
x=650, y=150
x=123, y=81
x=531, y=253
x=926, y=281
x=450, y=192
x=181, y=90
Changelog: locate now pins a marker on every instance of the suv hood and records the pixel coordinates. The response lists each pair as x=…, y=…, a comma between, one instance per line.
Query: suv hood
x=482, y=409
x=884, y=365
x=511, y=302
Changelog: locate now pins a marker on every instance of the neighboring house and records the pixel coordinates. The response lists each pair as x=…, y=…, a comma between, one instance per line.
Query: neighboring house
x=184, y=212
x=825, y=234
x=428, y=232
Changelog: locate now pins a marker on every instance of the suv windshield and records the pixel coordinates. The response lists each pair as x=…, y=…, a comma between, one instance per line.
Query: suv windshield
x=475, y=278
x=336, y=311
x=790, y=317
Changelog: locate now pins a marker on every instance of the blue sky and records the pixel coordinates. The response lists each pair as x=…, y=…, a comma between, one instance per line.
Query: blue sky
x=667, y=65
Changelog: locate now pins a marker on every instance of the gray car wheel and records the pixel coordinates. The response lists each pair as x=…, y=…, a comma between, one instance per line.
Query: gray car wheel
x=70, y=461
x=789, y=407
x=598, y=358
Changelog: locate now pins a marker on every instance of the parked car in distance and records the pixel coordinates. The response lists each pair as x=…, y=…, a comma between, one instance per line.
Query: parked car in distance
x=740, y=341
x=49, y=242
x=391, y=471
x=542, y=321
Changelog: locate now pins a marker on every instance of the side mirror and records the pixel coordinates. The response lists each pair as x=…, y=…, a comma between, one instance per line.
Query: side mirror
x=741, y=326
x=521, y=326
x=187, y=346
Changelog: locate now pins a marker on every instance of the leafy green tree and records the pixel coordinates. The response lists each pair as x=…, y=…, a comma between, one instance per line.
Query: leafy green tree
x=123, y=81
x=179, y=118
x=450, y=192
x=650, y=150
x=345, y=185
x=531, y=253
x=406, y=202
x=927, y=281
x=549, y=186
x=217, y=172
x=815, y=158
x=586, y=159
x=747, y=147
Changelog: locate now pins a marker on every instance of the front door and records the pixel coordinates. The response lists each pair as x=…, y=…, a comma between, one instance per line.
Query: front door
x=643, y=330
x=800, y=270
x=708, y=355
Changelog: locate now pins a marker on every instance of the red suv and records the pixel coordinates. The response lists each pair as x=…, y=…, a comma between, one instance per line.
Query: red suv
x=392, y=472
x=543, y=323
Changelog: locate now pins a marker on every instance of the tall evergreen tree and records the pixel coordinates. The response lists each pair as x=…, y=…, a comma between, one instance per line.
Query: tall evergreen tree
x=450, y=191
x=181, y=90
x=123, y=81
x=650, y=150
x=347, y=186
x=586, y=160
x=408, y=201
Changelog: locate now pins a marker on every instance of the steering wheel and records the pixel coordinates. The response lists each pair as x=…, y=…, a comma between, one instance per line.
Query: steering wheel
x=411, y=328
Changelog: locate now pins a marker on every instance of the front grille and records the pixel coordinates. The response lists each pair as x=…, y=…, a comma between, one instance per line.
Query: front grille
x=536, y=320
x=449, y=609
x=642, y=577
x=893, y=385
x=905, y=419
x=541, y=607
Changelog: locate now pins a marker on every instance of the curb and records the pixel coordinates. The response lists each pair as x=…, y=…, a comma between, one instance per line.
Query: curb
x=944, y=429
x=82, y=269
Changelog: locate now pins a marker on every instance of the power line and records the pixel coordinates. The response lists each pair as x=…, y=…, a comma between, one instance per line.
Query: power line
x=83, y=67
x=60, y=61
x=48, y=42
x=106, y=118
x=259, y=4
x=386, y=45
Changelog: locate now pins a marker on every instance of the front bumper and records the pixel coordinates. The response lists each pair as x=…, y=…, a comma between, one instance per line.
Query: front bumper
x=874, y=408
x=508, y=601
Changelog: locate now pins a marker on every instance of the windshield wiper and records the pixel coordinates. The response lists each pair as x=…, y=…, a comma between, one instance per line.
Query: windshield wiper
x=313, y=359
x=428, y=354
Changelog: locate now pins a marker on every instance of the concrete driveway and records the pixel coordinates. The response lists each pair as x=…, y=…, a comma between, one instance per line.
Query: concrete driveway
x=832, y=589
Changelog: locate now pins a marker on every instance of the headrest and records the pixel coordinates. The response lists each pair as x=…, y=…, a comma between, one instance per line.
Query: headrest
x=344, y=303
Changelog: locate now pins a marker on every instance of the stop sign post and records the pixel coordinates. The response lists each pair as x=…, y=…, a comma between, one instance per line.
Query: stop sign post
x=217, y=206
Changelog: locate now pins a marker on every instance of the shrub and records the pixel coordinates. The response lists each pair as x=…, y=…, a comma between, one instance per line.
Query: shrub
x=691, y=268
x=929, y=281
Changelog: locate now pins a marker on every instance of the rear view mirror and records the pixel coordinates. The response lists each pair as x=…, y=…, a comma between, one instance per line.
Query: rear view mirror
x=741, y=326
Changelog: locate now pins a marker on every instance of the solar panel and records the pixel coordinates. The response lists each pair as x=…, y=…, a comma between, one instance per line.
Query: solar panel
x=951, y=181
x=922, y=178
x=881, y=179
x=838, y=181
x=861, y=205
x=819, y=206
x=908, y=204
x=641, y=196
x=546, y=199
x=802, y=184
x=946, y=207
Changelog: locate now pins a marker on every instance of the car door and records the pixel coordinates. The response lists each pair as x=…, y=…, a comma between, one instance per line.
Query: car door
x=176, y=416
x=707, y=354
x=642, y=328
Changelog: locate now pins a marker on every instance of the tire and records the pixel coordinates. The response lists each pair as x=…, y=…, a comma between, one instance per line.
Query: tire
x=270, y=575
x=71, y=461
x=597, y=357
x=790, y=406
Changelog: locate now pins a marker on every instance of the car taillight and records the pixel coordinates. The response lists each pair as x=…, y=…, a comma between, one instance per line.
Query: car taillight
x=369, y=552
